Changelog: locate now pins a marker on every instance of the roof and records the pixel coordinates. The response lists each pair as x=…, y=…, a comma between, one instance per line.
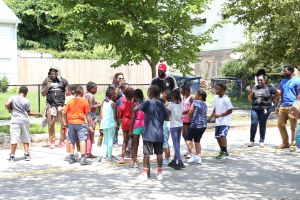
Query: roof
x=7, y=16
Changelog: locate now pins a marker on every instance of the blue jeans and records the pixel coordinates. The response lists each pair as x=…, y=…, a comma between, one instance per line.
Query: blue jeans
x=115, y=139
x=259, y=117
x=175, y=134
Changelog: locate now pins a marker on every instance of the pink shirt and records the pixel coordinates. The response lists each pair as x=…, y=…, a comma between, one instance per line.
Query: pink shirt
x=90, y=98
x=186, y=106
x=139, y=118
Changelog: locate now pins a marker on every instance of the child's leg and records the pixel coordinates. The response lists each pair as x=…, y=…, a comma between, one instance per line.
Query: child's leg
x=184, y=135
x=178, y=144
x=13, y=148
x=88, y=145
x=198, y=148
x=146, y=165
x=125, y=143
x=166, y=132
x=110, y=138
x=26, y=148
x=197, y=139
x=105, y=143
x=174, y=136
x=223, y=141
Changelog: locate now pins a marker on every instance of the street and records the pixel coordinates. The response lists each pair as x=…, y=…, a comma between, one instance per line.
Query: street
x=249, y=173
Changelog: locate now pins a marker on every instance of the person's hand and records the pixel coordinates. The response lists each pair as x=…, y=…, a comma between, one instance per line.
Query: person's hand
x=130, y=133
x=91, y=130
x=217, y=115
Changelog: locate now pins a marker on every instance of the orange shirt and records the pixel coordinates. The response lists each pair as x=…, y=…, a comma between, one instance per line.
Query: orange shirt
x=76, y=109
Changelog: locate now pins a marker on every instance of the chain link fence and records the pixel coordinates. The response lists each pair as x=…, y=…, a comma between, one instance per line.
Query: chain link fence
x=38, y=102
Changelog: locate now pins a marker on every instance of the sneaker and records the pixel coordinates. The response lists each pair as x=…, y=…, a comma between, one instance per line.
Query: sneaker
x=134, y=165
x=177, y=167
x=251, y=144
x=83, y=161
x=116, y=145
x=143, y=176
x=71, y=159
x=199, y=160
x=172, y=164
x=293, y=148
x=52, y=145
x=67, y=158
x=193, y=159
x=121, y=161
x=91, y=156
x=261, y=145
x=166, y=161
x=61, y=144
x=188, y=155
x=159, y=176
x=11, y=158
x=222, y=155
x=283, y=146
x=181, y=165
x=27, y=156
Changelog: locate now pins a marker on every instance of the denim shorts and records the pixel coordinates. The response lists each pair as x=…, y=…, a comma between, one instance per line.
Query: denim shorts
x=221, y=131
x=77, y=132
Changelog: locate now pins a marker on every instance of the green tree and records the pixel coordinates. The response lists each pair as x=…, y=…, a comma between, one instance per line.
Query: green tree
x=36, y=29
x=151, y=30
x=273, y=27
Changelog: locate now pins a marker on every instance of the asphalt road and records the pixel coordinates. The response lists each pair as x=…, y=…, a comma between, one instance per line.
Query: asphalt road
x=249, y=173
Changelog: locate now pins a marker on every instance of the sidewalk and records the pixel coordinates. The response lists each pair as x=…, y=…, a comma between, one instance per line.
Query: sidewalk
x=249, y=173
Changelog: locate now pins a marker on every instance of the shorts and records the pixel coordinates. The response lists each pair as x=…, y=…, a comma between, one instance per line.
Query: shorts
x=221, y=131
x=138, y=131
x=149, y=146
x=54, y=114
x=77, y=132
x=19, y=133
x=186, y=123
x=195, y=134
x=93, y=119
x=166, y=132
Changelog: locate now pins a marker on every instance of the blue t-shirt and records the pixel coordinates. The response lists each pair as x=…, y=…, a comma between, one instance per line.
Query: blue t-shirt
x=155, y=114
x=289, y=91
x=199, y=116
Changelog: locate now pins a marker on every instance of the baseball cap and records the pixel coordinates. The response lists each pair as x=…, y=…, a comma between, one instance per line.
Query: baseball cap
x=162, y=67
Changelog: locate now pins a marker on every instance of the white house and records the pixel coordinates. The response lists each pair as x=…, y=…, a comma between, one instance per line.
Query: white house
x=8, y=43
x=226, y=39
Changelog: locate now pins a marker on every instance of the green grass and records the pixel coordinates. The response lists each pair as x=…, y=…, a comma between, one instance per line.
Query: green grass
x=34, y=129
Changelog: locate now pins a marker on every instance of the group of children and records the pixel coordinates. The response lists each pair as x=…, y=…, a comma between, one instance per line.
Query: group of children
x=172, y=112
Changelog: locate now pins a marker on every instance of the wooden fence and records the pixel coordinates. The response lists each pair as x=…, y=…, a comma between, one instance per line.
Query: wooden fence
x=34, y=71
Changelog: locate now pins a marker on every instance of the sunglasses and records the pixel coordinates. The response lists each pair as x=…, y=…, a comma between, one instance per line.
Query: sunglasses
x=260, y=79
x=121, y=78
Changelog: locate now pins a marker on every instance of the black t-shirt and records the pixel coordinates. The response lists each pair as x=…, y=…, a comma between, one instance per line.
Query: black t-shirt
x=262, y=98
x=56, y=92
x=167, y=83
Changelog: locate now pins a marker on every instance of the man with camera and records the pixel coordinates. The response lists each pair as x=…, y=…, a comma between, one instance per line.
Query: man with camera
x=53, y=88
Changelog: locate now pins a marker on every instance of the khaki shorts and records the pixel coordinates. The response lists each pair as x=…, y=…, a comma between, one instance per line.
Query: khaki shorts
x=54, y=114
x=19, y=133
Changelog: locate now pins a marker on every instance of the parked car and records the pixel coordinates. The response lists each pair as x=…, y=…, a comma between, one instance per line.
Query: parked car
x=193, y=81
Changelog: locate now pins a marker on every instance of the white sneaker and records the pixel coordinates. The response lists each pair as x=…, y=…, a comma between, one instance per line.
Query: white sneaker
x=159, y=176
x=199, y=160
x=143, y=176
x=166, y=161
x=262, y=145
x=251, y=144
x=193, y=159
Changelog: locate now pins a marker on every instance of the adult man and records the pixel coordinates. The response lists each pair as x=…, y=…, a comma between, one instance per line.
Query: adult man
x=163, y=81
x=53, y=88
x=289, y=91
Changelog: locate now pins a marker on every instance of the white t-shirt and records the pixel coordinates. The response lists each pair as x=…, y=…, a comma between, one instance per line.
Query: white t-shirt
x=175, y=115
x=221, y=105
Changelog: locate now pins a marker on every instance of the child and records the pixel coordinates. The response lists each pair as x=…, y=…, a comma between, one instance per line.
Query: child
x=136, y=125
x=155, y=114
x=175, y=114
x=108, y=122
x=91, y=88
x=187, y=102
x=167, y=98
x=125, y=114
x=19, y=107
x=74, y=114
x=222, y=112
x=197, y=114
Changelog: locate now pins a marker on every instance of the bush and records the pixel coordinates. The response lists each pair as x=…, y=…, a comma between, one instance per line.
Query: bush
x=4, y=84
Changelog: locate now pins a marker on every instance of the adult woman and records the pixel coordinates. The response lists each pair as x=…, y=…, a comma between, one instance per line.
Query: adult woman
x=261, y=96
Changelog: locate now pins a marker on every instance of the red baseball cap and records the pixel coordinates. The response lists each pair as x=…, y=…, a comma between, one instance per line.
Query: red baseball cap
x=162, y=67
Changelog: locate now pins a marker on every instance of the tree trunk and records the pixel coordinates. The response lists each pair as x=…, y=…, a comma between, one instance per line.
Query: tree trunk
x=153, y=69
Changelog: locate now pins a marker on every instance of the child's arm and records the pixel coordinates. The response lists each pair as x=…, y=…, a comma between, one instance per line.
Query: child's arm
x=191, y=111
x=114, y=106
x=89, y=122
x=8, y=105
x=212, y=114
x=35, y=114
x=64, y=118
x=228, y=112
x=132, y=120
x=251, y=95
